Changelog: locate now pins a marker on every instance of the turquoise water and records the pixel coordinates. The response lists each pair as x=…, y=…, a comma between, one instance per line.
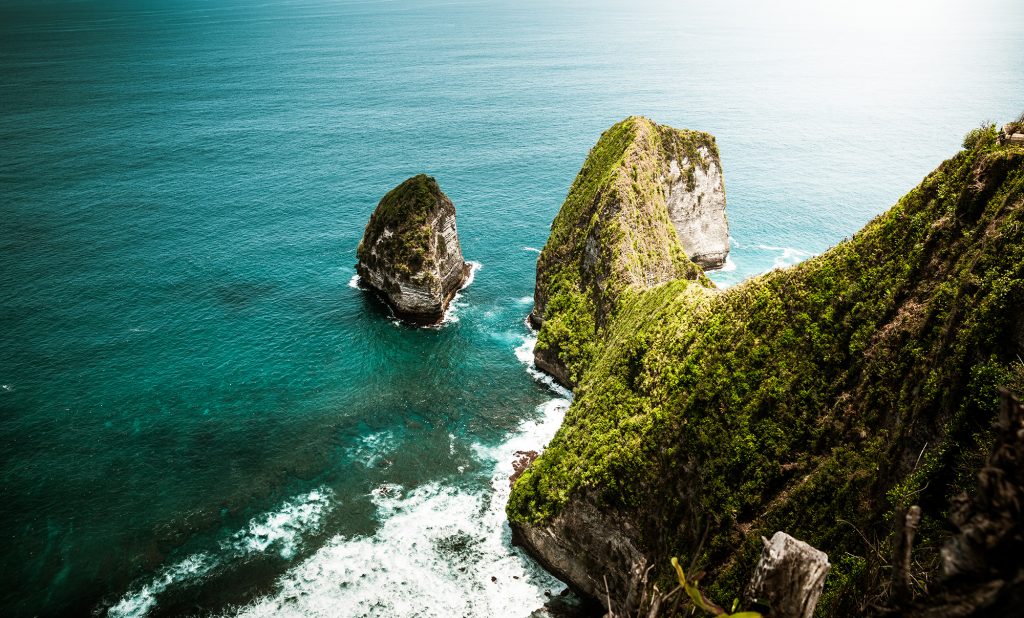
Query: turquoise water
x=199, y=414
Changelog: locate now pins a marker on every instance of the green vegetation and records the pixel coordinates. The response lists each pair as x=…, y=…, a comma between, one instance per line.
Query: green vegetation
x=976, y=138
x=701, y=602
x=405, y=211
x=818, y=400
x=612, y=237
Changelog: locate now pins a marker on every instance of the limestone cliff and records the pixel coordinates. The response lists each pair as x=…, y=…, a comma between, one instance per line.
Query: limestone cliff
x=695, y=197
x=822, y=400
x=410, y=251
x=647, y=207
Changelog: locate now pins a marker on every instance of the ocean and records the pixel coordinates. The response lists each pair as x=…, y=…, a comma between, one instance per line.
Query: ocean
x=200, y=414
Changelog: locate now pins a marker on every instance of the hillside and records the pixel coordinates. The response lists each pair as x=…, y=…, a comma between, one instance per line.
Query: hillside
x=820, y=400
x=648, y=198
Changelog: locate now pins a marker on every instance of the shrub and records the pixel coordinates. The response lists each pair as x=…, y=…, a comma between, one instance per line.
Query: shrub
x=981, y=136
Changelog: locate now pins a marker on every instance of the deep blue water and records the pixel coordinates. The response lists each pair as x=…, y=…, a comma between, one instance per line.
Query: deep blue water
x=198, y=413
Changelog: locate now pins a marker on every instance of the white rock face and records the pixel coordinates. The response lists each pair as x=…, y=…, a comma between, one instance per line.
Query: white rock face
x=696, y=207
x=789, y=577
x=410, y=252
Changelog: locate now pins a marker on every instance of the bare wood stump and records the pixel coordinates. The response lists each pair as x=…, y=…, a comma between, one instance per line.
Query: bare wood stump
x=788, y=578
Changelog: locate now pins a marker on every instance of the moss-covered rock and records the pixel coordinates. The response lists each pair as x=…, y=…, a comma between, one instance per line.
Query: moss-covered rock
x=819, y=400
x=647, y=207
x=410, y=251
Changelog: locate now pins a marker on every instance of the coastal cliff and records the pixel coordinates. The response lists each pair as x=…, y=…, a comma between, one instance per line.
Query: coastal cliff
x=410, y=253
x=647, y=207
x=823, y=400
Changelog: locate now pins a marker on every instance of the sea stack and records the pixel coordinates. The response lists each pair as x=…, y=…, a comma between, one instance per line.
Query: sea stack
x=410, y=251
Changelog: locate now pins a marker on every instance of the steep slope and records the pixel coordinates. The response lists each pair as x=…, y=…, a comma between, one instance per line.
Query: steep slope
x=819, y=400
x=410, y=252
x=648, y=206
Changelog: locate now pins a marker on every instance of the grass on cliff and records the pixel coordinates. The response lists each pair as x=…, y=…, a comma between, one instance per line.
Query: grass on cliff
x=818, y=400
x=405, y=211
x=612, y=236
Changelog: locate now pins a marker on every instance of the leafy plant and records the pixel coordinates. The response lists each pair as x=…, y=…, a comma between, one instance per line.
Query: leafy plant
x=978, y=137
x=701, y=602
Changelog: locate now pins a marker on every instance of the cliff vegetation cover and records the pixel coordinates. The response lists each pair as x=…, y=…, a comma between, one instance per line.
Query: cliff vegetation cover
x=611, y=239
x=822, y=400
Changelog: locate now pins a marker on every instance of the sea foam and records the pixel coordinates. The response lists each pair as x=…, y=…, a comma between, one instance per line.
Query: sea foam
x=788, y=256
x=451, y=315
x=441, y=550
x=525, y=355
x=280, y=530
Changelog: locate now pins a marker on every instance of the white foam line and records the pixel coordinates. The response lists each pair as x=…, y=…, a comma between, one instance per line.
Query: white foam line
x=525, y=355
x=533, y=249
x=789, y=255
x=451, y=314
x=473, y=267
x=370, y=450
x=439, y=551
x=354, y=282
x=284, y=527
x=139, y=603
x=281, y=529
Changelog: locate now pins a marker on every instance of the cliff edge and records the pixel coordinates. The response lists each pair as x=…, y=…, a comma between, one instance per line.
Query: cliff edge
x=823, y=400
x=647, y=207
x=410, y=251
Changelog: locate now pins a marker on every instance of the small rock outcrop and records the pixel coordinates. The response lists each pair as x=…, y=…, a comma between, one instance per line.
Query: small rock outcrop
x=1013, y=132
x=410, y=251
x=789, y=577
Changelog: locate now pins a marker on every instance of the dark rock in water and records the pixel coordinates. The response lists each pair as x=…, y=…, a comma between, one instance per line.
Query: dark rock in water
x=410, y=251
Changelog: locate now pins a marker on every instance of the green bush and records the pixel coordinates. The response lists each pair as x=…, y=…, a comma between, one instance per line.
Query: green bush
x=981, y=137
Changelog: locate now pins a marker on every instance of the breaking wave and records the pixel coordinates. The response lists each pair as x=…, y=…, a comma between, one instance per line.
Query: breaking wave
x=788, y=256
x=451, y=315
x=441, y=551
x=280, y=530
